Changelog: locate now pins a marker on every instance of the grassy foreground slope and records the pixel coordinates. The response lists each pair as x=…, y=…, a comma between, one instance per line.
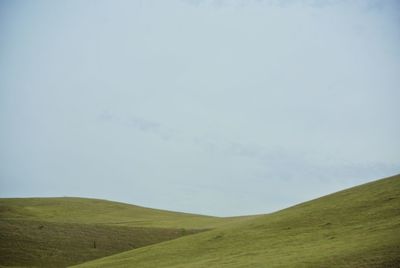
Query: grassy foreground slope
x=57, y=232
x=358, y=227
x=48, y=244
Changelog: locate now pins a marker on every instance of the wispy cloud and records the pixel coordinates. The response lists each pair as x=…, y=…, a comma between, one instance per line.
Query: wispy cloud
x=144, y=125
x=275, y=163
x=137, y=123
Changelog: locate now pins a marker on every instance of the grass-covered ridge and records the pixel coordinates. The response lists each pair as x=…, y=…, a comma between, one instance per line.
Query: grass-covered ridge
x=358, y=227
x=96, y=211
x=57, y=232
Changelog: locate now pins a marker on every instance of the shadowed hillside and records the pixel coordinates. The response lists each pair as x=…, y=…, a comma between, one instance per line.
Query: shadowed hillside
x=358, y=227
x=56, y=232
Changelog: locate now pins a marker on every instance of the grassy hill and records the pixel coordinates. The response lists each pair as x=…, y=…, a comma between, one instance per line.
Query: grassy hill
x=96, y=211
x=57, y=232
x=358, y=227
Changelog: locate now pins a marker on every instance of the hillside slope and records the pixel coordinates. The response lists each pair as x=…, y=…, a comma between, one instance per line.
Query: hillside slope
x=57, y=232
x=358, y=227
x=96, y=211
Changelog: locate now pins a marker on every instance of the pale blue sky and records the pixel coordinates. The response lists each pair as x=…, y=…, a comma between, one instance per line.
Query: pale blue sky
x=212, y=107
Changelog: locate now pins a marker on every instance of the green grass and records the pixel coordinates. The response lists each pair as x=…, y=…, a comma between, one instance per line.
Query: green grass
x=96, y=211
x=48, y=244
x=358, y=227
x=57, y=232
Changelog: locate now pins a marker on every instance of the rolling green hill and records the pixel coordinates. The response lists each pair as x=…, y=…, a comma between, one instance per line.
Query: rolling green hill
x=358, y=227
x=96, y=211
x=57, y=232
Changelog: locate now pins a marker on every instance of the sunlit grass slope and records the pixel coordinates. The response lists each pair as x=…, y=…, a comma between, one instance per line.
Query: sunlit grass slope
x=57, y=232
x=358, y=227
x=89, y=211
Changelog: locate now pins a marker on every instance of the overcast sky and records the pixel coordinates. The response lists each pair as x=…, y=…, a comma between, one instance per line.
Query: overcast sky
x=211, y=107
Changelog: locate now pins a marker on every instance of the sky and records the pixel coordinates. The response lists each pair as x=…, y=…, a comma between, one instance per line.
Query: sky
x=211, y=107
